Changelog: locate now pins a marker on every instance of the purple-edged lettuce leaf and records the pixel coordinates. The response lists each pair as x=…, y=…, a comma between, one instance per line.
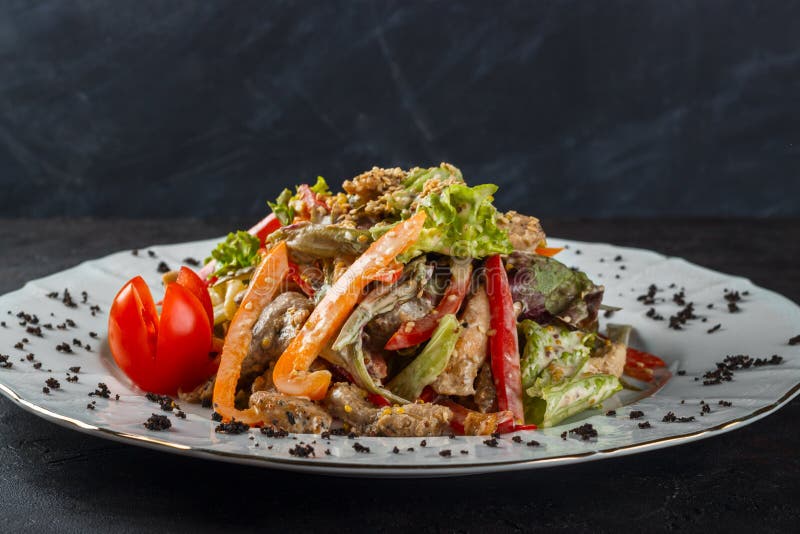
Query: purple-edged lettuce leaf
x=549, y=290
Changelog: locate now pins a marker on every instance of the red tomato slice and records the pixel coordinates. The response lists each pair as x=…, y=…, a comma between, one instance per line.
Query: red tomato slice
x=160, y=355
x=133, y=331
x=184, y=341
x=188, y=279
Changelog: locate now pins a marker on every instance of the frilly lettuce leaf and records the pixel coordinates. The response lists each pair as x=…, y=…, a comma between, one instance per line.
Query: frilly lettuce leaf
x=549, y=289
x=238, y=251
x=461, y=222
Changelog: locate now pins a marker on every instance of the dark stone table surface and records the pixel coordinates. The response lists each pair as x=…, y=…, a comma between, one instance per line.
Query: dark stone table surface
x=54, y=479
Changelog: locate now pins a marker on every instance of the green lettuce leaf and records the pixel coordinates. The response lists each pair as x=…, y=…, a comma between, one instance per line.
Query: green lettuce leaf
x=430, y=363
x=559, y=401
x=238, y=251
x=552, y=355
x=282, y=207
x=460, y=223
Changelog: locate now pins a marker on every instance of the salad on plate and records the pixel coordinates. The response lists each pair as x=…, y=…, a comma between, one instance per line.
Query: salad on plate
x=405, y=305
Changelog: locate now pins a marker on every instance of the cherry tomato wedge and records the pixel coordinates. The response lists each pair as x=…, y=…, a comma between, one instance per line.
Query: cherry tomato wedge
x=163, y=354
x=189, y=279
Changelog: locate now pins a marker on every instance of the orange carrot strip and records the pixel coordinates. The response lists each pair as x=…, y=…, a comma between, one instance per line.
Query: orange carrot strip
x=263, y=287
x=291, y=374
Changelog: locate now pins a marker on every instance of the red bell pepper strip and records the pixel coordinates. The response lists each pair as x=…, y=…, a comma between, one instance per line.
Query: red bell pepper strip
x=503, y=344
x=634, y=356
x=640, y=364
x=262, y=229
x=291, y=374
x=428, y=394
x=410, y=334
x=548, y=251
x=377, y=400
x=296, y=276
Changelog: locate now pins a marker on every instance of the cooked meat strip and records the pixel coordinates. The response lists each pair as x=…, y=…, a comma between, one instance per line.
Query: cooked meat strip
x=412, y=420
x=293, y=414
x=525, y=232
x=277, y=325
x=348, y=403
x=458, y=377
x=481, y=424
x=485, y=392
x=607, y=358
x=203, y=392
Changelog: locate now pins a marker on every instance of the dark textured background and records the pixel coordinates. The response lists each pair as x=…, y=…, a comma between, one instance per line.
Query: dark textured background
x=164, y=109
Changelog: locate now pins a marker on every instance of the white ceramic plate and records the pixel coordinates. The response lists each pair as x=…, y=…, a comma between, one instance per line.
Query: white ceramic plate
x=762, y=328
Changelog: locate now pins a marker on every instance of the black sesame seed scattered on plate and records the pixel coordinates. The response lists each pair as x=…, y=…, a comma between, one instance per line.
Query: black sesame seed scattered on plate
x=533, y=443
x=726, y=404
x=75, y=369
x=325, y=435
x=217, y=417
x=681, y=372
x=714, y=328
x=272, y=432
x=585, y=432
x=90, y=406
x=167, y=403
x=636, y=414
x=705, y=409
x=163, y=267
x=464, y=451
x=180, y=414
x=564, y=436
x=52, y=383
x=191, y=261
x=360, y=448
x=151, y=253
x=101, y=391
x=45, y=389
x=423, y=443
x=157, y=422
x=611, y=413
x=302, y=451
x=446, y=453
x=410, y=449
x=645, y=424
x=233, y=427
x=795, y=340
x=491, y=442
x=135, y=252
x=395, y=450
x=517, y=439
x=725, y=369
x=672, y=418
